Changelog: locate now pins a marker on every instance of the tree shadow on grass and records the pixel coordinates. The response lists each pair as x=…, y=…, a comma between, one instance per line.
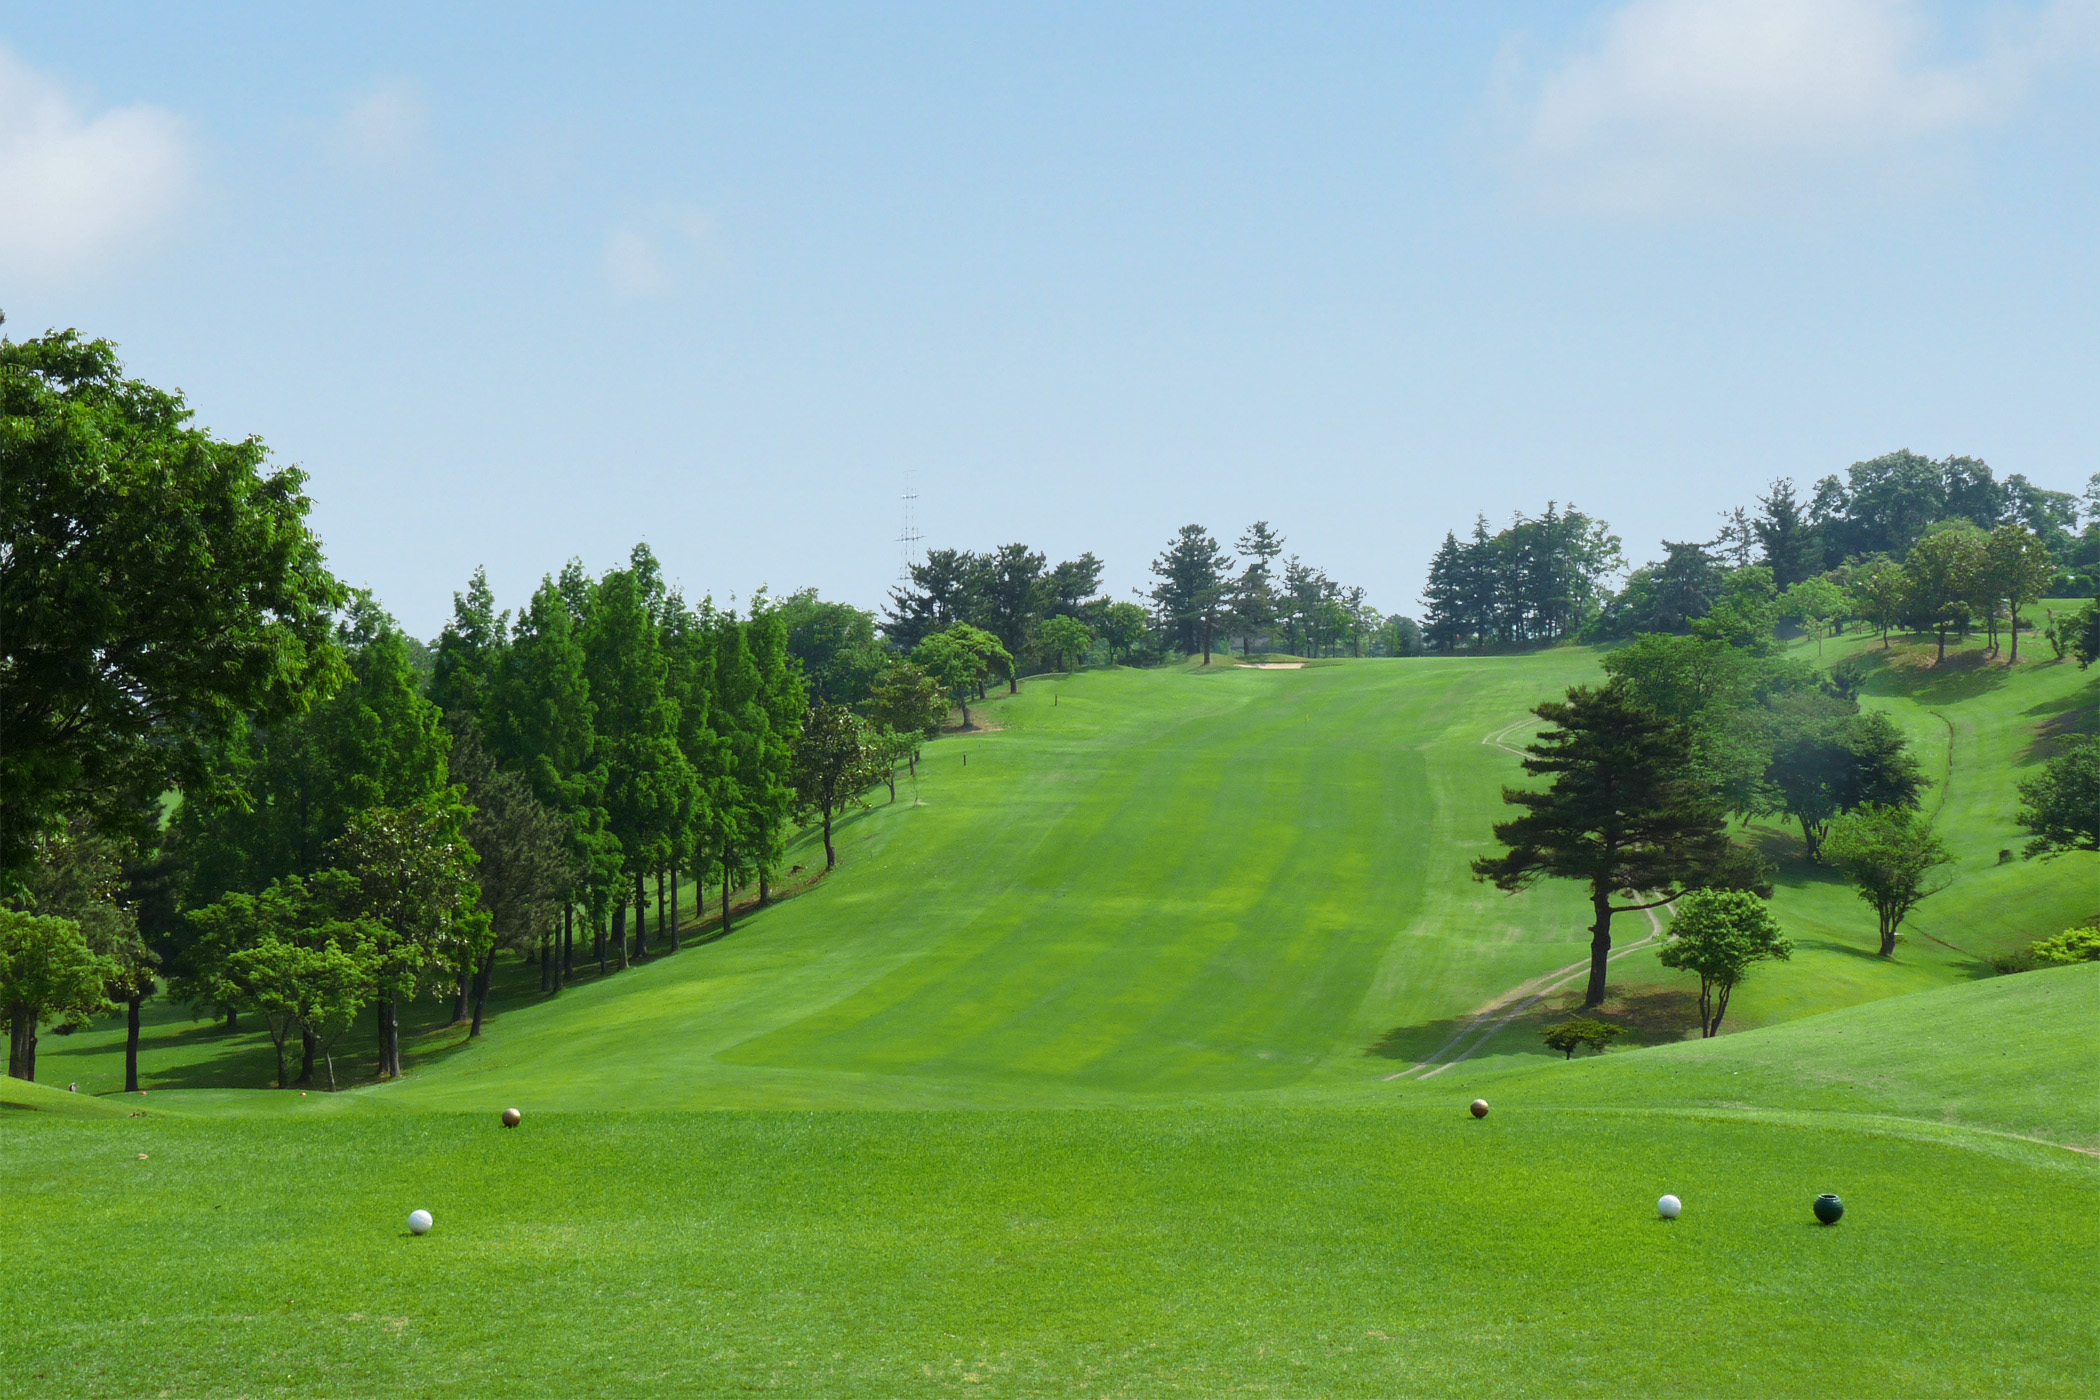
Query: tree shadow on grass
x=2073, y=716
x=1651, y=1016
x=1910, y=671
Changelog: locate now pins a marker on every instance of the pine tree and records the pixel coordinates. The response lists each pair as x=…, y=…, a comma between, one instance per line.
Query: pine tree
x=1624, y=815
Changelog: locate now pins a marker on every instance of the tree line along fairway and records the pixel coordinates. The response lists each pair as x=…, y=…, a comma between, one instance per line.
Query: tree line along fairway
x=1166, y=886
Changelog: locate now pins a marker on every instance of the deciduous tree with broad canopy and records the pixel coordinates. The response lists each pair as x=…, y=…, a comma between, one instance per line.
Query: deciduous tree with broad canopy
x=157, y=584
x=1891, y=854
x=1718, y=934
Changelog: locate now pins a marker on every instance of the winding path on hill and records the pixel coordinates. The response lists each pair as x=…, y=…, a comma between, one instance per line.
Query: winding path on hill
x=1481, y=1027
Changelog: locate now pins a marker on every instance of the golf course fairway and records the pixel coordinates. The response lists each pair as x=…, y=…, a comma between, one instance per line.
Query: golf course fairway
x=1128, y=1053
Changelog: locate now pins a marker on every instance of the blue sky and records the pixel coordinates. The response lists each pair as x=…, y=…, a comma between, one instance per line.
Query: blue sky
x=516, y=288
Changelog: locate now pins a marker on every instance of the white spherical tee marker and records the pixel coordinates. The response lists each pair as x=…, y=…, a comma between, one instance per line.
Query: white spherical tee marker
x=419, y=1222
x=1669, y=1207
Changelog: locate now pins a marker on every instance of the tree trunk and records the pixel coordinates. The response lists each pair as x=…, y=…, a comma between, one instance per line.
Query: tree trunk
x=641, y=915
x=1943, y=646
x=598, y=941
x=131, y=1045
x=831, y=857
x=565, y=967
x=1888, y=937
x=21, y=1041
x=459, y=999
x=966, y=712
x=328, y=1058
x=308, y=1042
x=727, y=866
x=765, y=888
x=674, y=907
x=389, y=1041
x=232, y=1022
x=659, y=905
x=1600, y=949
x=619, y=930
x=2013, y=626
x=481, y=990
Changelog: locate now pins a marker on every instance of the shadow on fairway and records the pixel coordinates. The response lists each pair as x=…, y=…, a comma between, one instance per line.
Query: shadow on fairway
x=2061, y=720
x=1651, y=1016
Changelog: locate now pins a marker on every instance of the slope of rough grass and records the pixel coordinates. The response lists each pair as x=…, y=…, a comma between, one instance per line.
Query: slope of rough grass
x=2017, y=1055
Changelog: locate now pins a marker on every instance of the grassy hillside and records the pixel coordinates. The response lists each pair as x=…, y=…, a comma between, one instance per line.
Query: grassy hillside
x=1325, y=1250
x=1161, y=887
x=1196, y=934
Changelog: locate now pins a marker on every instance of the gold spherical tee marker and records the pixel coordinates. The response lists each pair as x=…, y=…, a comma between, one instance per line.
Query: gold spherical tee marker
x=1480, y=1108
x=511, y=1118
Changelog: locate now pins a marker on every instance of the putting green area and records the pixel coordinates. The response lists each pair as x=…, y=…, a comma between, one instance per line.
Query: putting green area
x=1128, y=1053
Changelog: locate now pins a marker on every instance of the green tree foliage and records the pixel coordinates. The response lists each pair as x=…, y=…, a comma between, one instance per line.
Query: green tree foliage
x=1718, y=935
x=906, y=700
x=649, y=785
x=1064, y=638
x=1891, y=853
x=48, y=973
x=1625, y=815
x=1945, y=574
x=2060, y=806
x=414, y=869
x=2066, y=949
x=1012, y=594
x=1582, y=1033
x=1253, y=601
x=1879, y=592
x=786, y=701
x=1073, y=589
x=80, y=875
x=524, y=862
x=1791, y=545
x=2017, y=569
x=470, y=654
x=835, y=644
x=1190, y=594
x=1817, y=604
x=1123, y=627
x=959, y=658
x=1539, y=581
x=297, y=953
x=1668, y=596
x=1827, y=758
x=835, y=762
x=283, y=792
x=944, y=590
x=157, y=584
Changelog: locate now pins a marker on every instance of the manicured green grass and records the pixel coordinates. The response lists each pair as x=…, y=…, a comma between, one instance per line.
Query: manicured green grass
x=1078, y=1078
x=1404, y=1248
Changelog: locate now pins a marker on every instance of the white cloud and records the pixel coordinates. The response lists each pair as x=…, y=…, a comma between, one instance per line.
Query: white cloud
x=1725, y=104
x=646, y=258
x=77, y=189
x=383, y=128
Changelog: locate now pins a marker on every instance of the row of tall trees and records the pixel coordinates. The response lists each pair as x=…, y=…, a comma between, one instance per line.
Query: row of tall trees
x=1535, y=582
x=1011, y=593
x=1207, y=597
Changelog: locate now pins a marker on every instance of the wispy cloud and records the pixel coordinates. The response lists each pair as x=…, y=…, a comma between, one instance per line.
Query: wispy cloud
x=77, y=188
x=650, y=257
x=383, y=128
x=1719, y=105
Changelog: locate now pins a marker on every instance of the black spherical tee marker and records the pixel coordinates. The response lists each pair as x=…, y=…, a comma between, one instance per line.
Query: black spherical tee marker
x=1829, y=1209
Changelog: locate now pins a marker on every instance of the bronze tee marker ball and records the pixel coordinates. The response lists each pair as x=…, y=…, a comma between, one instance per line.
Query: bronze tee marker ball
x=1480, y=1108
x=511, y=1117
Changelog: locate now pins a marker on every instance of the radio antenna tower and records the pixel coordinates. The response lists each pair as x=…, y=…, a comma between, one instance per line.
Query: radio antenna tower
x=908, y=538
